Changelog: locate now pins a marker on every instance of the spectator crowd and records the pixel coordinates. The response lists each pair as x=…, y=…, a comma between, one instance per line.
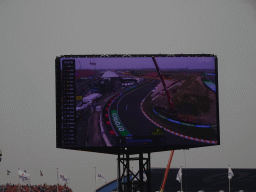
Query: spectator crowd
x=34, y=188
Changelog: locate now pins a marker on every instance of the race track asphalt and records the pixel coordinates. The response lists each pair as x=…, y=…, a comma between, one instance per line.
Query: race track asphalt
x=131, y=116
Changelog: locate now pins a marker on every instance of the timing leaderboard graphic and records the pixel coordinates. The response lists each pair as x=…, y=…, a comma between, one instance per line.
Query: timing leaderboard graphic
x=139, y=102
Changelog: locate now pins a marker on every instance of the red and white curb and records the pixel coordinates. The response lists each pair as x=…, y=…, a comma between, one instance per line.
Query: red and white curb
x=174, y=133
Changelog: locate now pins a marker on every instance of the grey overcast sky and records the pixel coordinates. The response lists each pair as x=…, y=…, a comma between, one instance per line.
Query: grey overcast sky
x=34, y=32
x=145, y=62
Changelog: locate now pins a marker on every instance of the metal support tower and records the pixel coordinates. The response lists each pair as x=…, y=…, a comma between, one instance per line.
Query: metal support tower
x=129, y=181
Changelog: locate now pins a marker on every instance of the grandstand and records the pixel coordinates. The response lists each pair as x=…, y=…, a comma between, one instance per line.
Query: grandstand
x=34, y=188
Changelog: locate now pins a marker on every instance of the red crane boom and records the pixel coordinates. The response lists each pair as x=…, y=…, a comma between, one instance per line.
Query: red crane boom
x=162, y=79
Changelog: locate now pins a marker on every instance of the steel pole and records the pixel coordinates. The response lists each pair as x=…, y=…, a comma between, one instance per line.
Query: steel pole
x=57, y=180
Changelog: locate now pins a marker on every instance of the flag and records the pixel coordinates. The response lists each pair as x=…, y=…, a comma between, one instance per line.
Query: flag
x=62, y=178
x=179, y=175
x=24, y=176
x=41, y=174
x=230, y=173
x=99, y=176
x=8, y=172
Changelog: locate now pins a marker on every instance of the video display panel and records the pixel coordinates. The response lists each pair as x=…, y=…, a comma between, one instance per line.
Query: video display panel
x=139, y=103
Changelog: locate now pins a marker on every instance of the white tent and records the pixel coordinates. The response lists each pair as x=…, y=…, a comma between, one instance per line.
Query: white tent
x=109, y=74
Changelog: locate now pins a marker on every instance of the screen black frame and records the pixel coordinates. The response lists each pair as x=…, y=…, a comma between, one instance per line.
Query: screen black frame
x=128, y=149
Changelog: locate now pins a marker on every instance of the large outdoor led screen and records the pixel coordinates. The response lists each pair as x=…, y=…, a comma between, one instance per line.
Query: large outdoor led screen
x=139, y=103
